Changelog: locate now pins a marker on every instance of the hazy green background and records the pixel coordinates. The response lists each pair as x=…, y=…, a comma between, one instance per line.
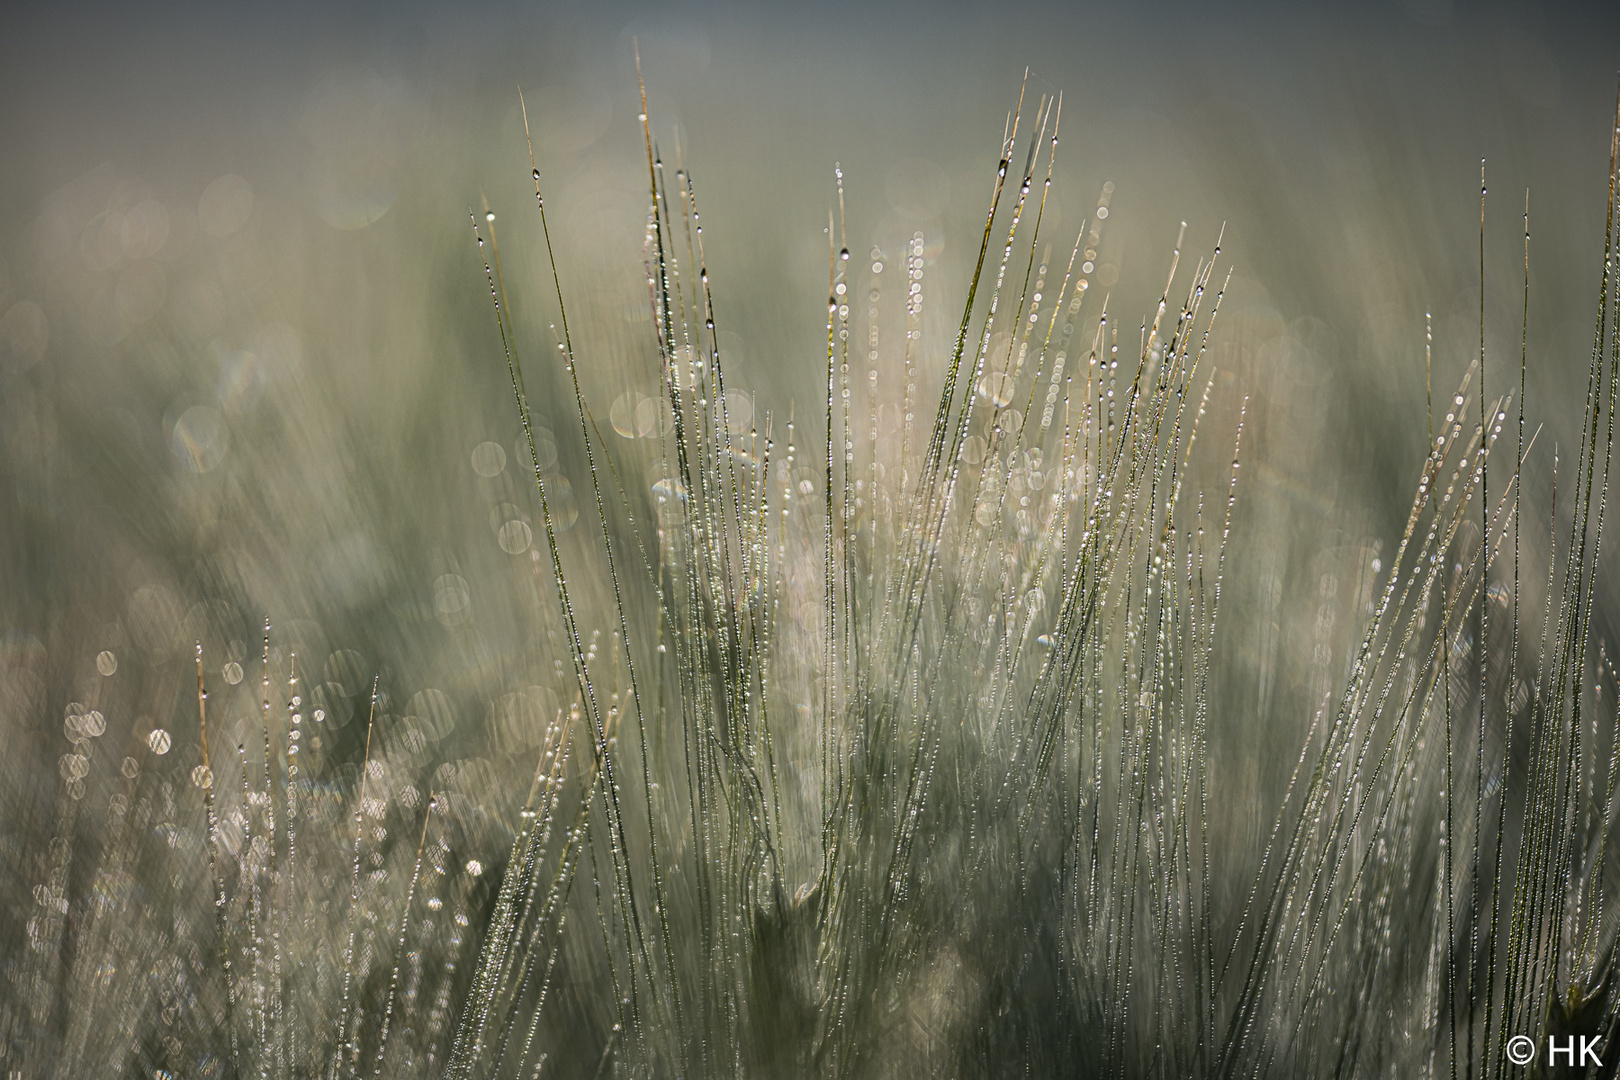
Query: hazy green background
x=246, y=350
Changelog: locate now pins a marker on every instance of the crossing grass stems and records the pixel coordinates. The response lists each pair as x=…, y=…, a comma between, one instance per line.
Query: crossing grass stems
x=896, y=760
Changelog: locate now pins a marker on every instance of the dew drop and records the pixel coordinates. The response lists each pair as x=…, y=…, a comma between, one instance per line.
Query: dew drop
x=515, y=537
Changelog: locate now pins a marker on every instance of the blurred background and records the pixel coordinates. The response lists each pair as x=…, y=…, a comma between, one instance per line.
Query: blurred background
x=248, y=365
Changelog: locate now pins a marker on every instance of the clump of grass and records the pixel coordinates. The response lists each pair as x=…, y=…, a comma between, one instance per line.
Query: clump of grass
x=907, y=771
x=885, y=748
